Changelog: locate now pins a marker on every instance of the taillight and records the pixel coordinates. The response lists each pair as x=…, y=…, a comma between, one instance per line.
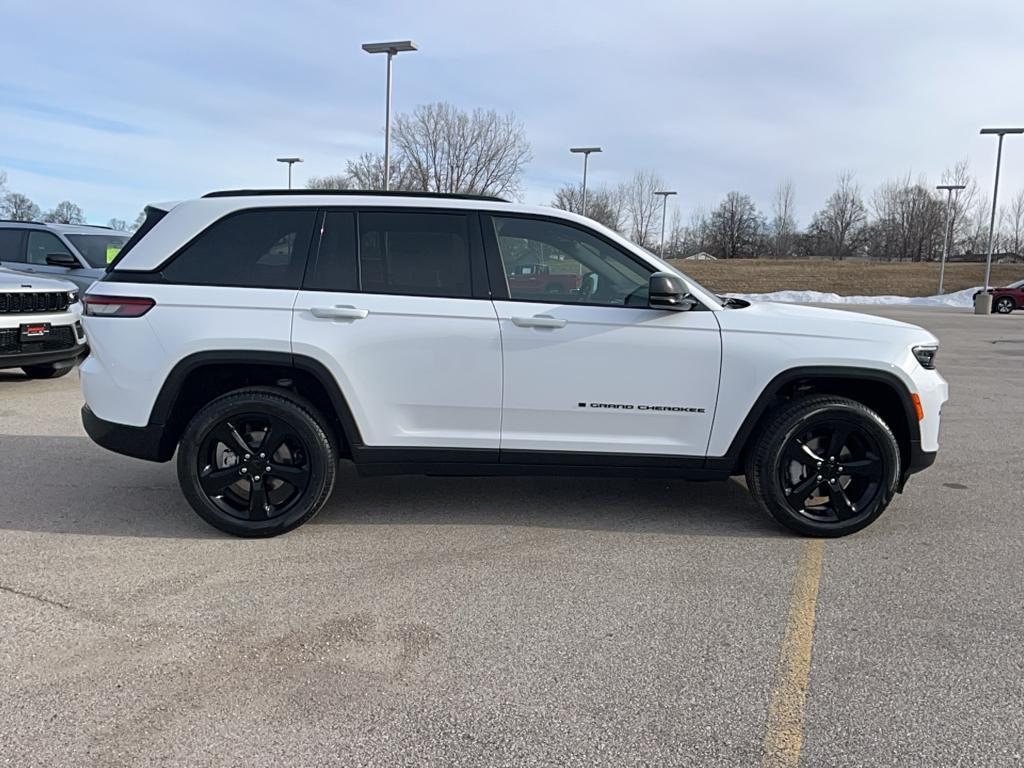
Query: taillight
x=116, y=306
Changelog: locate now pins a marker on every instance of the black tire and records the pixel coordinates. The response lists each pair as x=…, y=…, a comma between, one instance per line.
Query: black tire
x=225, y=483
x=798, y=445
x=1003, y=305
x=49, y=371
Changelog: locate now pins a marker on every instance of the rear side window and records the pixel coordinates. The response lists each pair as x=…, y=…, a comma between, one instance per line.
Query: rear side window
x=251, y=249
x=416, y=254
x=11, y=248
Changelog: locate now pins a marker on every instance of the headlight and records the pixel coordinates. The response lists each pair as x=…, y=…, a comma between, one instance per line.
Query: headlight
x=72, y=297
x=925, y=355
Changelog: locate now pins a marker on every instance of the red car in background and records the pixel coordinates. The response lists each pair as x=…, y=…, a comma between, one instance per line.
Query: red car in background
x=538, y=278
x=1007, y=299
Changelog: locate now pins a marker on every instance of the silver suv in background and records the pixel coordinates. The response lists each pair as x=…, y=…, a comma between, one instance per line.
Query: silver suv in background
x=76, y=252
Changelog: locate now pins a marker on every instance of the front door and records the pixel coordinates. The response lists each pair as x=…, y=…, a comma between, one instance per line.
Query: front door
x=395, y=306
x=596, y=370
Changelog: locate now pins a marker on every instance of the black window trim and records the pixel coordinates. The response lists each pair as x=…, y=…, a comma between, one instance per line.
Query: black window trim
x=496, y=267
x=478, y=279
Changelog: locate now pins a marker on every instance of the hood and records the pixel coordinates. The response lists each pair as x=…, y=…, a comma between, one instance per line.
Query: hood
x=801, y=320
x=22, y=282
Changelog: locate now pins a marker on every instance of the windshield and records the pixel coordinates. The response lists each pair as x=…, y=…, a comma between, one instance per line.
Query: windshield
x=100, y=249
x=1018, y=284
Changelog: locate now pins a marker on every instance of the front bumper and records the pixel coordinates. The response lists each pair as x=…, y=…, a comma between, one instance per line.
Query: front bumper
x=150, y=442
x=69, y=356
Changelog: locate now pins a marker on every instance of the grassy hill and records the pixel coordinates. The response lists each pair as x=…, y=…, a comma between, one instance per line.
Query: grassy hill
x=847, y=278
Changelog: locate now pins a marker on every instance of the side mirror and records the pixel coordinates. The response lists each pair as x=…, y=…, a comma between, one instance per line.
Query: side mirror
x=62, y=260
x=667, y=291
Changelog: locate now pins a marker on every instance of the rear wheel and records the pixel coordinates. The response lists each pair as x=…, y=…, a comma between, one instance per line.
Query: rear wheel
x=51, y=371
x=1003, y=305
x=824, y=466
x=256, y=463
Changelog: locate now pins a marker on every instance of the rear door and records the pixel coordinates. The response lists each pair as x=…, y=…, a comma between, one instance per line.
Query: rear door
x=396, y=307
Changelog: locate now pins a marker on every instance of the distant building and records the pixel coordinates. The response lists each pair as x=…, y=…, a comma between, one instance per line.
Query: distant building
x=702, y=256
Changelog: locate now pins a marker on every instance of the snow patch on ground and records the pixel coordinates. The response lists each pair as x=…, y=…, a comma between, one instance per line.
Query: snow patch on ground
x=961, y=299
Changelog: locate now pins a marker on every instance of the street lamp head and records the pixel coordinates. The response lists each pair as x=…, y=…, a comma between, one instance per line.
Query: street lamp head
x=951, y=186
x=289, y=160
x=397, y=46
x=584, y=150
x=1002, y=131
x=666, y=194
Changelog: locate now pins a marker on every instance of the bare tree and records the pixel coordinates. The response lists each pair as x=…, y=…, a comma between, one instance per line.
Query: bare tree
x=444, y=149
x=328, y=182
x=17, y=207
x=604, y=205
x=3, y=183
x=65, y=212
x=139, y=221
x=642, y=212
x=962, y=206
x=1013, y=236
x=839, y=226
x=736, y=228
x=908, y=221
x=696, y=233
x=783, y=224
x=119, y=224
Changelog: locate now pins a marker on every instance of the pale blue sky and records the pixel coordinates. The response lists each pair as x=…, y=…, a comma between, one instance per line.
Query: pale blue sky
x=116, y=104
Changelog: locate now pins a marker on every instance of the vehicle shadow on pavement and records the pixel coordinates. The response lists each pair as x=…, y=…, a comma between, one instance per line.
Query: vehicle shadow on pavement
x=69, y=485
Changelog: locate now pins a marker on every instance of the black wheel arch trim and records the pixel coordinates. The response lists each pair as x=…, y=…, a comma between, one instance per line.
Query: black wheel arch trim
x=731, y=461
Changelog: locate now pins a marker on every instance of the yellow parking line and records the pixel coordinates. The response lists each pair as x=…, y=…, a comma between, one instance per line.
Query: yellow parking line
x=786, y=710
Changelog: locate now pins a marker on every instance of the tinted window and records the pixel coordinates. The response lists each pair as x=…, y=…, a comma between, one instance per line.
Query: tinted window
x=42, y=244
x=551, y=262
x=253, y=249
x=335, y=268
x=99, y=250
x=421, y=254
x=10, y=245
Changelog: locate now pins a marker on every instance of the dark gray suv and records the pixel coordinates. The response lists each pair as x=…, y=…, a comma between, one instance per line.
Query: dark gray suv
x=75, y=252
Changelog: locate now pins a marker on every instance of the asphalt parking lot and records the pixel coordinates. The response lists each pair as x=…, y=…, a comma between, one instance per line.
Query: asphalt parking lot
x=539, y=621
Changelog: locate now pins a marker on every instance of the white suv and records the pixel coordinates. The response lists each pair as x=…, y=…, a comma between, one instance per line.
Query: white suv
x=265, y=335
x=40, y=325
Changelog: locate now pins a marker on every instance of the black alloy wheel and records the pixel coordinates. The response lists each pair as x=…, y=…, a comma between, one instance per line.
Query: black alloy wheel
x=1004, y=305
x=824, y=466
x=257, y=462
x=831, y=471
x=253, y=466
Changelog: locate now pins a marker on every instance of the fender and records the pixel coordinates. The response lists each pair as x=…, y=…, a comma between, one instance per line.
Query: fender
x=731, y=461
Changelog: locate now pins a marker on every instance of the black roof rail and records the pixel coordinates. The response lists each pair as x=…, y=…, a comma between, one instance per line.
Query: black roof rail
x=355, y=192
x=61, y=223
x=20, y=221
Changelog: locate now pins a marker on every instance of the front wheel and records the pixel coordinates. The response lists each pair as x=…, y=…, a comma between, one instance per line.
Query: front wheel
x=256, y=463
x=824, y=466
x=1004, y=305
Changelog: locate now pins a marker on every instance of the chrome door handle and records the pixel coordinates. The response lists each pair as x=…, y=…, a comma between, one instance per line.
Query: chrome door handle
x=339, y=313
x=539, y=321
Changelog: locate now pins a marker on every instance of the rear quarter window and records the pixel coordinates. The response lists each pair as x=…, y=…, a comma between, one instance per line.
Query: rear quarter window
x=264, y=248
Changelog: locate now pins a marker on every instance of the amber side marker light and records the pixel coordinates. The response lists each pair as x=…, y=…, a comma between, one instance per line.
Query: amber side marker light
x=917, y=404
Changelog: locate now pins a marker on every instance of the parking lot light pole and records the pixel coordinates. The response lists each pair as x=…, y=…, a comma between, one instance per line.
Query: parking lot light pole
x=664, y=209
x=585, y=151
x=291, y=161
x=983, y=301
x=392, y=50
x=945, y=242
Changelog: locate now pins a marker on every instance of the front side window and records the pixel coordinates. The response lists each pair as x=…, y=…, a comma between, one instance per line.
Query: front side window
x=252, y=249
x=42, y=244
x=547, y=261
x=417, y=254
x=99, y=250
